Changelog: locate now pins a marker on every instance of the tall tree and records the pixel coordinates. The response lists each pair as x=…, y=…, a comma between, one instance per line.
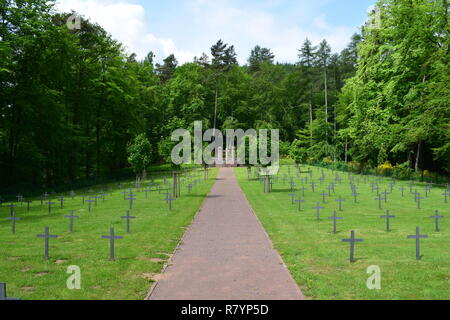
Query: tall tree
x=166, y=70
x=307, y=56
x=259, y=56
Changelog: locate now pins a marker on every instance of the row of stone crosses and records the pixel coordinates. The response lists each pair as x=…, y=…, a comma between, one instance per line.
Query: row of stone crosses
x=269, y=180
x=91, y=199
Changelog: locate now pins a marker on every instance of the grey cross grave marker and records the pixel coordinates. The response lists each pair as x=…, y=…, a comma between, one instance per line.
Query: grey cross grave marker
x=146, y=190
x=385, y=195
x=446, y=194
x=324, y=194
x=11, y=206
x=388, y=218
x=3, y=296
x=71, y=217
x=340, y=200
x=417, y=237
x=419, y=197
x=13, y=222
x=90, y=201
x=403, y=191
x=20, y=199
x=380, y=199
x=299, y=201
x=437, y=217
x=61, y=201
x=44, y=197
x=128, y=218
x=170, y=200
x=49, y=203
x=112, y=239
x=131, y=199
x=352, y=242
x=46, y=236
x=318, y=208
x=292, y=194
x=355, y=196
x=335, y=218
x=28, y=204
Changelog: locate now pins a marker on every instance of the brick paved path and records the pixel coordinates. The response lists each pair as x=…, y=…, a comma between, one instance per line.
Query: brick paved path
x=226, y=254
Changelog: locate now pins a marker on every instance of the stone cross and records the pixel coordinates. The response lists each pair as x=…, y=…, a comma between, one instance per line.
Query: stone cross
x=3, y=296
x=11, y=206
x=131, y=199
x=417, y=237
x=146, y=190
x=128, y=218
x=388, y=218
x=446, y=194
x=112, y=239
x=385, y=195
x=13, y=223
x=355, y=196
x=303, y=191
x=380, y=199
x=71, y=217
x=323, y=194
x=170, y=200
x=335, y=218
x=46, y=236
x=61, y=201
x=96, y=199
x=293, y=194
x=318, y=208
x=418, y=200
x=352, y=242
x=49, y=203
x=437, y=217
x=43, y=197
x=90, y=201
x=403, y=191
x=299, y=201
x=28, y=205
x=340, y=200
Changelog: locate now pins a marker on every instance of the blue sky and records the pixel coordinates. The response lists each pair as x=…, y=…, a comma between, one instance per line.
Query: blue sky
x=188, y=28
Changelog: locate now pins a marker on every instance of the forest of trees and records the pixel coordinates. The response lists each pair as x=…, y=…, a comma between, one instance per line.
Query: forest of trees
x=72, y=102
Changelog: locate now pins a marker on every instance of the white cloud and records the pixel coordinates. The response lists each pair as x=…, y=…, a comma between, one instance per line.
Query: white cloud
x=247, y=27
x=126, y=23
x=198, y=24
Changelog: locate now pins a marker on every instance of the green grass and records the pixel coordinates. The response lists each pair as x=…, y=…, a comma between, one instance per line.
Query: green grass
x=319, y=260
x=154, y=235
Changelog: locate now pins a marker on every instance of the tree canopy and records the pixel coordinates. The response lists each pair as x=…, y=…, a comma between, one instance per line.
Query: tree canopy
x=72, y=102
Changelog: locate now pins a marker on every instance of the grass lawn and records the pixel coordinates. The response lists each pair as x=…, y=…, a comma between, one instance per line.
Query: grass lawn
x=139, y=256
x=319, y=260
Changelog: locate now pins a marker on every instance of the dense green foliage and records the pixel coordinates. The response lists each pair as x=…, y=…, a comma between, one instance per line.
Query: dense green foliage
x=72, y=101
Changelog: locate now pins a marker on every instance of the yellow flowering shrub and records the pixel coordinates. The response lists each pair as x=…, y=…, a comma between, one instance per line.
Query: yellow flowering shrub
x=385, y=167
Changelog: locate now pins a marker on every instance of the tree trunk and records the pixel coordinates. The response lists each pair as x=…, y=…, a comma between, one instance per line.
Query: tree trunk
x=346, y=150
x=326, y=103
x=310, y=122
x=419, y=149
x=215, y=109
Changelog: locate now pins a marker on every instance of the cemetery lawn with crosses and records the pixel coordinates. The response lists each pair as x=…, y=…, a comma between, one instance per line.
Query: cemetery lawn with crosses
x=139, y=256
x=318, y=259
